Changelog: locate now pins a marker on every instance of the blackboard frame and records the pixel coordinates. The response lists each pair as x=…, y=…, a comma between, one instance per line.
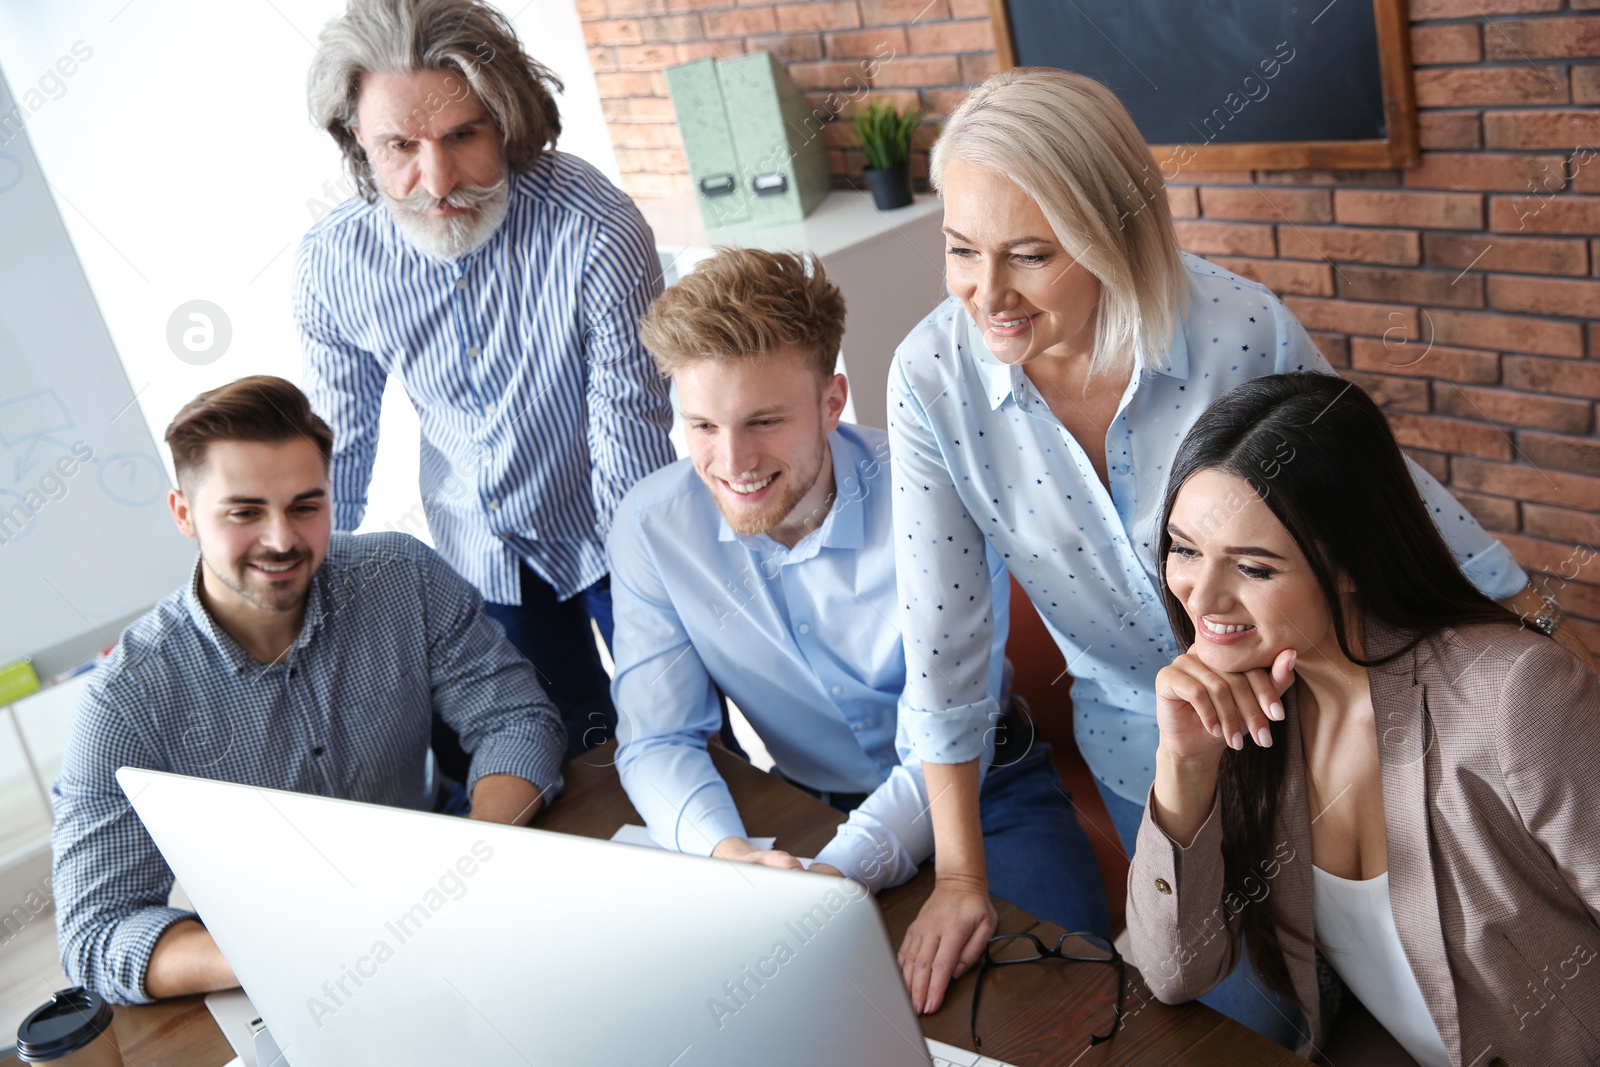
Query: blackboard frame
x=1400, y=149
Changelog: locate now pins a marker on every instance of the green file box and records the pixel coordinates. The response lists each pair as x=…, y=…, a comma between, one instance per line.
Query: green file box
x=720, y=188
x=783, y=163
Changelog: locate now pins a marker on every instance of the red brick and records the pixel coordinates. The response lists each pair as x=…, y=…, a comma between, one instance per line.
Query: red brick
x=650, y=109
x=741, y=22
x=941, y=102
x=1270, y=204
x=1587, y=632
x=647, y=56
x=1477, y=9
x=1491, y=512
x=880, y=42
x=1494, y=86
x=789, y=47
x=672, y=28
x=589, y=10
x=1400, y=247
x=974, y=35
x=1557, y=128
x=1335, y=347
x=1350, y=316
x=1550, y=557
x=1534, y=214
x=975, y=68
x=1585, y=175
x=1438, y=287
x=1561, y=524
x=1325, y=178
x=602, y=60
x=1506, y=408
x=1224, y=238
x=882, y=12
x=1398, y=394
x=828, y=75
x=1450, y=129
x=1449, y=435
x=722, y=48
x=631, y=84
x=1524, y=255
x=613, y=31
x=645, y=135
x=1519, y=40
x=1545, y=296
x=1487, y=171
x=1564, y=377
x=1283, y=276
x=1526, y=483
x=1506, y=333
x=1594, y=338
x=648, y=185
x=1437, y=211
x=1396, y=355
x=1578, y=598
x=1580, y=454
x=1186, y=176
x=1586, y=85
x=916, y=72
x=969, y=9
x=636, y=7
x=1183, y=201
x=1435, y=463
x=1451, y=43
x=820, y=15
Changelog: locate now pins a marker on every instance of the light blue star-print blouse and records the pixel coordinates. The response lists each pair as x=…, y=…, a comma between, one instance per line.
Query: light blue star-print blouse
x=976, y=453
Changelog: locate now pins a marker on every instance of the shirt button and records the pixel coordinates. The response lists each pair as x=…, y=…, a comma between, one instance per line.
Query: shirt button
x=1163, y=887
x=461, y=283
x=494, y=505
x=488, y=409
x=805, y=628
x=317, y=751
x=472, y=350
x=858, y=726
x=838, y=689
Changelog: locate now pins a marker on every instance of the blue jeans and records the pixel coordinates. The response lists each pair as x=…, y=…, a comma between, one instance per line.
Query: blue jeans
x=1037, y=853
x=1240, y=996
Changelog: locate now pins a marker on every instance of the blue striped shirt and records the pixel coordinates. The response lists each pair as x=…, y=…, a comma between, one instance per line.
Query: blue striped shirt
x=391, y=635
x=539, y=406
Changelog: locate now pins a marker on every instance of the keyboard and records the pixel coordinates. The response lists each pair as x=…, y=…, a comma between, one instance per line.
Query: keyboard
x=949, y=1056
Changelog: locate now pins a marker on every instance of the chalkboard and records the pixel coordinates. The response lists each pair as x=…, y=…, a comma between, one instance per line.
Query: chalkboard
x=1236, y=84
x=86, y=541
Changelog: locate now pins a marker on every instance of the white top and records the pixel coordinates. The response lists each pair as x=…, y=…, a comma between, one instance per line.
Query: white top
x=1357, y=931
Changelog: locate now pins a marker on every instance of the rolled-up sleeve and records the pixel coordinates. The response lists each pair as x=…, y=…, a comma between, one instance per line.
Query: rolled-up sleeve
x=667, y=707
x=111, y=884
x=1485, y=561
x=946, y=616
x=483, y=687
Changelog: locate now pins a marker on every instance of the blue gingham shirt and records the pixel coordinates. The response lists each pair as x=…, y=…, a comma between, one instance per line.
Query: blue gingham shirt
x=978, y=456
x=390, y=635
x=804, y=640
x=539, y=406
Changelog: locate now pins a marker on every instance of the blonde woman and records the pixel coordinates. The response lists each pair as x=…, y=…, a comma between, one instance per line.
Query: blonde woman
x=1038, y=410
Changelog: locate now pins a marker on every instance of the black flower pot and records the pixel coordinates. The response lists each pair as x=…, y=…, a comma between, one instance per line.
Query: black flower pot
x=890, y=188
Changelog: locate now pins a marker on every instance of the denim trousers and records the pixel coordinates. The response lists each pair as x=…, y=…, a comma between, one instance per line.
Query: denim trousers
x=1241, y=996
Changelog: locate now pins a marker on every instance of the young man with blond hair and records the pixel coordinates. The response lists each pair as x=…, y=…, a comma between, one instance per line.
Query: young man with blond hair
x=293, y=658
x=763, y=566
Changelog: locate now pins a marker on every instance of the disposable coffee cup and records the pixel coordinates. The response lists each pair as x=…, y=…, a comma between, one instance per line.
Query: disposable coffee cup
x=73, y=1030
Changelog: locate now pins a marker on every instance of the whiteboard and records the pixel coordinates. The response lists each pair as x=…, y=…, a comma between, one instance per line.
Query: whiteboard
x=86, y=540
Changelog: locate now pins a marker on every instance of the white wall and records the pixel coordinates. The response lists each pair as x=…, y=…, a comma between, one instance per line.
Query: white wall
x=185, y=167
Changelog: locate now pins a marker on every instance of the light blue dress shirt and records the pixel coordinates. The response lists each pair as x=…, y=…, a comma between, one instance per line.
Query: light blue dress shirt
x=804, y=640
x=539, y=405
x=978, y=457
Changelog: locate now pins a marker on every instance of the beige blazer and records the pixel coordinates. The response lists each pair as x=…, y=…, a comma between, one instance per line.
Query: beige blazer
x=1489, y=747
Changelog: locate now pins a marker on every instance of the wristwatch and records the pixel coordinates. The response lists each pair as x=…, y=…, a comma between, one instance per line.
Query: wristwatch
x=1548, y=619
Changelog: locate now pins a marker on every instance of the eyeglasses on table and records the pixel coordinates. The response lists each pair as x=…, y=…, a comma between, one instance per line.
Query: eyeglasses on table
x=1007, y=949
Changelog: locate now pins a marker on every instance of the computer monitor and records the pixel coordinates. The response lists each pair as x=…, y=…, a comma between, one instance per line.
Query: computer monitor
x=368, y=934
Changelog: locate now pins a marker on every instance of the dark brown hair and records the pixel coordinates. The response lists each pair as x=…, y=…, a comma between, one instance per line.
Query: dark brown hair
x=258, y=408
x=1320, y=454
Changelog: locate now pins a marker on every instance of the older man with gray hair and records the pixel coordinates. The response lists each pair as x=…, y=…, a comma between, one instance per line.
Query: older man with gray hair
x=502, y=282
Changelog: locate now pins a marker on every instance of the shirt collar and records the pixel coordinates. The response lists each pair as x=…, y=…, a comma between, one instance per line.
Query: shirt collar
x=843, y=527
x=237, y=657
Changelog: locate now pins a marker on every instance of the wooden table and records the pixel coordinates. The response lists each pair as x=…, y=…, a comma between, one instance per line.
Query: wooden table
x=1033, y=1015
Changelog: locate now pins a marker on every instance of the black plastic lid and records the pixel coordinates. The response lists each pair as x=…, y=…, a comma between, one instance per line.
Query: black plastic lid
x=73, y=1018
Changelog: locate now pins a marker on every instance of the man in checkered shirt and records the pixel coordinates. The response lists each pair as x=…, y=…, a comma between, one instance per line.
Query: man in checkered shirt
x=295, y=658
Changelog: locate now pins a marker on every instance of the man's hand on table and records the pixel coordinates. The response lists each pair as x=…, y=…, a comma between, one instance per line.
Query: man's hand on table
x=741, y=850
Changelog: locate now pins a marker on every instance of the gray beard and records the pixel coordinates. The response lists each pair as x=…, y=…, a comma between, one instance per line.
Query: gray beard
x=451, y=237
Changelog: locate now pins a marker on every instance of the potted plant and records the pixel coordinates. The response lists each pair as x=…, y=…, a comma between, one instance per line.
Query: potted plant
x=885, y=136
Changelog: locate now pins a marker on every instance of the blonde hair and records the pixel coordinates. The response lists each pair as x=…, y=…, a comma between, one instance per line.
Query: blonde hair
x=745, y=303
x=1068, y=143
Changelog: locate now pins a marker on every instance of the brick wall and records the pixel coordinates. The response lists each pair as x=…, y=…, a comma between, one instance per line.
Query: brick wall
x=1458, y=293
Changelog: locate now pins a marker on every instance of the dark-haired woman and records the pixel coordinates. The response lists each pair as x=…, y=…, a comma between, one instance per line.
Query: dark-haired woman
x=1422, y=810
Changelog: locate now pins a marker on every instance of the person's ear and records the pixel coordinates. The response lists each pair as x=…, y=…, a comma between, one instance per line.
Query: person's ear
x=178, y=504
x=834, y=394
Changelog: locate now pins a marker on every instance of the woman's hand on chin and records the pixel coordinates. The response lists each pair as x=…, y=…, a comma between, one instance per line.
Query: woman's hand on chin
x=1200, y=711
